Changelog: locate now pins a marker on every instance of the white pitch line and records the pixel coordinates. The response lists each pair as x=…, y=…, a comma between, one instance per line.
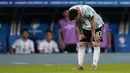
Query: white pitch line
x=48, y=64
x=18, y=63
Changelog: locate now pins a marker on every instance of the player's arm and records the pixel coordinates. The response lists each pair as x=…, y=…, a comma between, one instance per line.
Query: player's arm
x=60, y=38
x=32, y=47
x=79, y=30
x=41, y=47
x=12, y=50
x=78, y=33
x=55, y=47
x=13, y=47
x=59, y=34
x=93, y=29
x=89, y=15
x=109, y=39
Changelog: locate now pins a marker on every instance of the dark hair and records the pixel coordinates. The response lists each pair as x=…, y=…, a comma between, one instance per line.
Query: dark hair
x=25, y=29
x=48, y=31
x=72, y=14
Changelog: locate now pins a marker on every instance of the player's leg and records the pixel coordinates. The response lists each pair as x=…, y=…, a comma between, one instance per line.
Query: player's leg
x=82, y=48
x=96, y=46
x=96, y=54
x=81, y=54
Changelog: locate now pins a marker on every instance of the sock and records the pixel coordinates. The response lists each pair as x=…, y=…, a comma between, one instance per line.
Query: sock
x=89, y=50
x=81, y=54
x=96, y=55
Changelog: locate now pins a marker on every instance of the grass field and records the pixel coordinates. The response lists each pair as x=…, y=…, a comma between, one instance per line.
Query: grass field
x=102, y=68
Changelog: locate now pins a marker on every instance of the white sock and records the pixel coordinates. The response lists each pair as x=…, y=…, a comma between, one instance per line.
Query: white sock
x=96, y=55
x=81, y=54
x=89, y=50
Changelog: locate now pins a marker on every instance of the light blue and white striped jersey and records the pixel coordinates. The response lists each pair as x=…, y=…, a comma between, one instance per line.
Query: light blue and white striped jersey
x=86, y=13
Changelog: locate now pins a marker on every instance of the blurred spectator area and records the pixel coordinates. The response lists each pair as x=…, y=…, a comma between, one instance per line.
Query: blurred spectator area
x=12, y=20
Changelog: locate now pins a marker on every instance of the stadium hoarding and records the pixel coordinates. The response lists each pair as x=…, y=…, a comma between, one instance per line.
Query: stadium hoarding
x=64, y=3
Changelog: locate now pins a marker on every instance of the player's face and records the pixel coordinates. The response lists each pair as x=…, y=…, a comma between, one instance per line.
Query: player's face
x=66, y=13
x=49, y=36
x=25, y=35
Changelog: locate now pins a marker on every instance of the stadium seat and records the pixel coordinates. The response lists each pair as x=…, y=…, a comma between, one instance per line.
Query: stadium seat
x=55, y=32
x=4, y=33
x=4, y=30
x=38, y=31
x=3, y=44
x=121, y=43
x=12, y=39
x=113, y=28
x=109, y=50
x=129, y=29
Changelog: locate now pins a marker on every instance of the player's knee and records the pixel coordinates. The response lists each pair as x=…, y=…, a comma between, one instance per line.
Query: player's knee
x=96, y=44
x=82, y=44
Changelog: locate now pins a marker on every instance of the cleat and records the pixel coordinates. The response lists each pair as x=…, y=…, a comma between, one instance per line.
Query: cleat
x=94, y=67
x=78, y=68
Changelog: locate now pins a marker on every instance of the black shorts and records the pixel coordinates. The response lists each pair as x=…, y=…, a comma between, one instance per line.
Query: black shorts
x=88, y=35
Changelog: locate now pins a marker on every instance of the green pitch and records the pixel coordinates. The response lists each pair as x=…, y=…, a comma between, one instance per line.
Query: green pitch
x=102, y=68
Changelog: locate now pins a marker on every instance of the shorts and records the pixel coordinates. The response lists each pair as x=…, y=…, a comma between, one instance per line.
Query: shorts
x=88, y=35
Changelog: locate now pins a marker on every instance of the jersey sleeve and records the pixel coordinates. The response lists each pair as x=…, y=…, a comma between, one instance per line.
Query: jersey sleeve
x=15, y=44
x=32, y=46
x=55, y=47
x=60, y=23
x=88, y=13
x=41, y=46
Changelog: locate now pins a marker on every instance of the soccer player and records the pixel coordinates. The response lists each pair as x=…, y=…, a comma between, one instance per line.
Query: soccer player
x=48, y=45
x=92, y=25
x=23, y=45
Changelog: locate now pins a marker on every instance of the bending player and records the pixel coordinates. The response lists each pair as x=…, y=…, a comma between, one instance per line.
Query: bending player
x=92, y=25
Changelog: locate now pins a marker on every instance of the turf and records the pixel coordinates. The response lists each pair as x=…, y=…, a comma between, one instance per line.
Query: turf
x=102, y=68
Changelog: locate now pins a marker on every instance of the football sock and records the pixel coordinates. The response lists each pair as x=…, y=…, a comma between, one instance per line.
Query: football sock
x=96, y=55
x=81, y=54
x=89, y=50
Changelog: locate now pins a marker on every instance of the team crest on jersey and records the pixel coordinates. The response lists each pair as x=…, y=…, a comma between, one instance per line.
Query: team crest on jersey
x=35, y=25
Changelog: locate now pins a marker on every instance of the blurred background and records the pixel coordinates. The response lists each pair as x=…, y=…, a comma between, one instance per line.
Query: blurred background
x=40, y=16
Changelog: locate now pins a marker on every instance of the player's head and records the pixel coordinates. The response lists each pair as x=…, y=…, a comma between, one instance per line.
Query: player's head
x=66, y=13
x=74, y=14
x=24, y=33
x=48, y=35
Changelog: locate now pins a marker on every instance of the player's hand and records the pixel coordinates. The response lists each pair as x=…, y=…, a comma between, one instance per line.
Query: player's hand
x=62, y=45
x=96, y=38
x=81, y=36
